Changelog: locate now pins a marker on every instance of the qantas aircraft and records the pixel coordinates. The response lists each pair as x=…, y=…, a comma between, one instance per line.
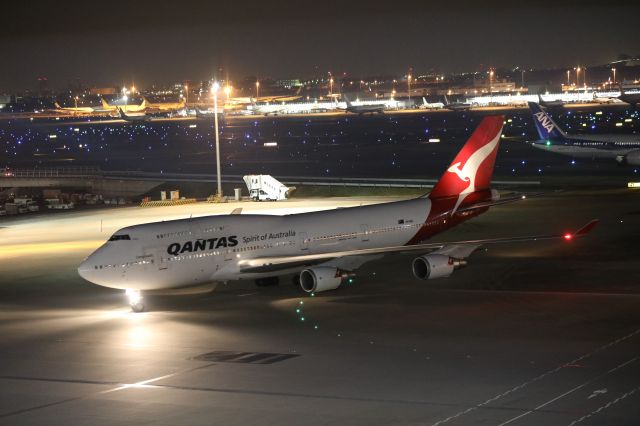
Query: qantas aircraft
x=323, y=247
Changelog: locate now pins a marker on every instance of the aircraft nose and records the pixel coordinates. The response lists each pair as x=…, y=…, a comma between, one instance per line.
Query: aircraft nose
x=86, y=270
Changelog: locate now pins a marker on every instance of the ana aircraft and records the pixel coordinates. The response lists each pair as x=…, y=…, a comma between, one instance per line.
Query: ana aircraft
x=430, y=105
x=363, y=109
x=625, y=150
x=603, y=99
x=631, y=98
x=137, y=118
x=550, y=104
x=323, y=248
x=456, y=106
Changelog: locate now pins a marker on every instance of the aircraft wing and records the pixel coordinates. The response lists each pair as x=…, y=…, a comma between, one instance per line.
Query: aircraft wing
x=505, y=200
x=458, y=249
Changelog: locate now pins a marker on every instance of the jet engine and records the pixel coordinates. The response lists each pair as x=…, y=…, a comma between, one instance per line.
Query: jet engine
x=322, y=278
x=632, y=158
x=432, y=266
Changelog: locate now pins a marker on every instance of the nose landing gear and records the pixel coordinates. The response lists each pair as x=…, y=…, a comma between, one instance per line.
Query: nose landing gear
x=135, y=300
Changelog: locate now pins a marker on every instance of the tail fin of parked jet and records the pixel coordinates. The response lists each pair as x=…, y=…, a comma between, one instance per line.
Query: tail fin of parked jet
x=546, y=127
x=121, y=112
x=346, y=99
x=472, y=169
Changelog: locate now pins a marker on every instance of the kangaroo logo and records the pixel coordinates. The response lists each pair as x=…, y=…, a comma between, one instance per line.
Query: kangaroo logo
x=544, y=121
x=468, y=172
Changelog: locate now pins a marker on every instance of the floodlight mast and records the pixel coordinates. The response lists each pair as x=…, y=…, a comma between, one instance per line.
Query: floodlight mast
x=214, y=89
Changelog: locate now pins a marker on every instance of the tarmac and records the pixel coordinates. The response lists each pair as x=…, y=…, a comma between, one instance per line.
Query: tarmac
x=527, y=334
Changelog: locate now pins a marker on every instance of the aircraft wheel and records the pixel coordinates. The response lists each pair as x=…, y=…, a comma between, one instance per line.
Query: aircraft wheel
x=138, y=307
x=296, y=280
x=267, y=282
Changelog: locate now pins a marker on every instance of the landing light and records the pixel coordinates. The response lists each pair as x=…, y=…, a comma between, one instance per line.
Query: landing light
x=134, y=296
x=548, y=143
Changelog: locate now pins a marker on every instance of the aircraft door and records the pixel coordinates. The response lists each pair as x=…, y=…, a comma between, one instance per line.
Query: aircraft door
x=364, y=233
x=303, y=241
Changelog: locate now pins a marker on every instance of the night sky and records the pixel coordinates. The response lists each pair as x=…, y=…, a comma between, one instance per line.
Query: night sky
x=110, y=43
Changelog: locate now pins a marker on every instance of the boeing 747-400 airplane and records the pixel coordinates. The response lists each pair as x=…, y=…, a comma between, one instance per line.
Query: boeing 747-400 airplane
x=323, y=247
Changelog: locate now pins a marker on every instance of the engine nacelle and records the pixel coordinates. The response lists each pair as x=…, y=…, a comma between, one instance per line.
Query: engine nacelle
x=321, y=278
x=432, y=266
x=632, y=158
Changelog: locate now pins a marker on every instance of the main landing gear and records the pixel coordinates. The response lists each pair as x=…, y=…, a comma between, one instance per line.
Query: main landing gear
x=267, y=282
x=135, y=300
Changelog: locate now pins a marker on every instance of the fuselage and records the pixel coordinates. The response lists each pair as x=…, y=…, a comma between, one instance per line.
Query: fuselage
x=601, y=146
x=361, y=109
x=191, y=252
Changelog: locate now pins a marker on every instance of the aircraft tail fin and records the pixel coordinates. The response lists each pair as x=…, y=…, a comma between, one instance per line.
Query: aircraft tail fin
x=57, y=105
x=472, y=169
x=346, y=99
x=105, y=104
x=424, y=101
x=121, y=112
x=446, y=100
x=546, y=127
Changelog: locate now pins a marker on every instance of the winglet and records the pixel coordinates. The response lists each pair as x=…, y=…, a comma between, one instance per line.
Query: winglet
x=586, y=228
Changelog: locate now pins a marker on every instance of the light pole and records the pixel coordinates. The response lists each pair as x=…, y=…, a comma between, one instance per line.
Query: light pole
x=214, y=90
x=409, y=87
x=614, y=75
x=186, y=97
x=522, y=78
x=257, y=91
x=584, y=77
x=331, y=86
x=568, y=78
x=578, y=76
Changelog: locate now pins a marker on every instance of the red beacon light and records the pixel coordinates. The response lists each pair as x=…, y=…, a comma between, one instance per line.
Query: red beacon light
x=567, y=236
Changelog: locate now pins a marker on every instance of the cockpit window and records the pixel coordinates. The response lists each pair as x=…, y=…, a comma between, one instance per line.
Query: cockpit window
x=119, y=237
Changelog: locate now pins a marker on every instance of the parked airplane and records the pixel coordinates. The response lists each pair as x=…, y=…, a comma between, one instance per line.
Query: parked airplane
x=603, y=99
x=363, y=109
x=550, y=104
x=631, y=98
x=456, y=106
x=430, y=105
x=127, y=108
x=323, y=247
x=77, y=110
x=625, y=150
x=133, y=118
x=207, y=113
x=164, y=106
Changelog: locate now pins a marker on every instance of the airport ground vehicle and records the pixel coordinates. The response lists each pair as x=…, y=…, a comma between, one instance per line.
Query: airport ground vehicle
x=323, y=247
x=266, y=188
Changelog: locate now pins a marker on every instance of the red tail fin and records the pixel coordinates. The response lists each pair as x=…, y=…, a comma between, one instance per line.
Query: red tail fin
x=472, y=168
